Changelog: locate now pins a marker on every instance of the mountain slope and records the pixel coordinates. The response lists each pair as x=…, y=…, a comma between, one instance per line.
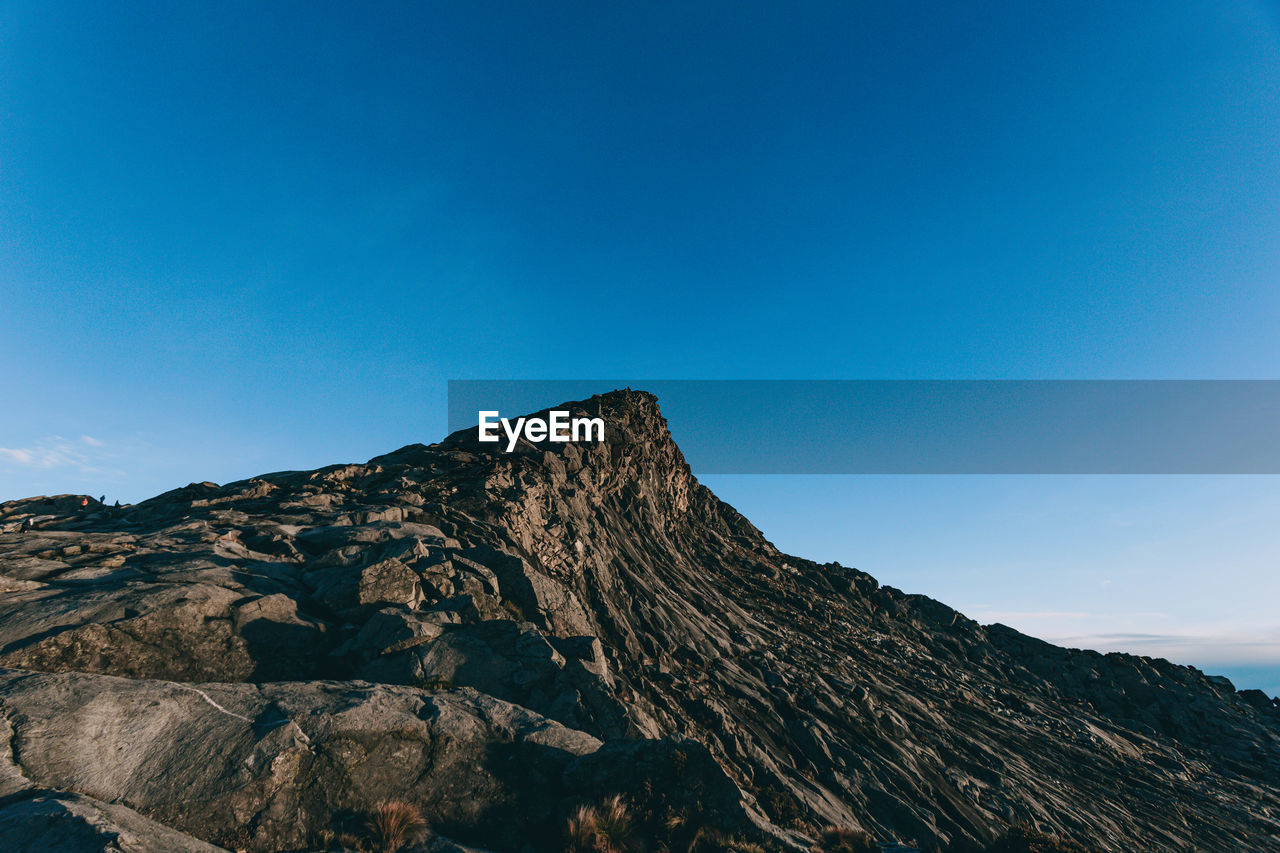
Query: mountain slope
x=598, y=593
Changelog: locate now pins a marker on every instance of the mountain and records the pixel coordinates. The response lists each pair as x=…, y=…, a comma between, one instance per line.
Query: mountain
x=497, y=638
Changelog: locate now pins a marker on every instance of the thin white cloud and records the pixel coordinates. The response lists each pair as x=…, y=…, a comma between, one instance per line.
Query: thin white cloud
x=1151, y=633
x=55, y=452
x=17, y=454
x=1200, y=646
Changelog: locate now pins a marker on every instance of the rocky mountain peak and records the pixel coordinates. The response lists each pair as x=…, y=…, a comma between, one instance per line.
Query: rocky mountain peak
x=637, y=456
x=490, y=633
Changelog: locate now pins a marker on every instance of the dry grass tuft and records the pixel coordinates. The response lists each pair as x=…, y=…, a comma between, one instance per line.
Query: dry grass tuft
x=394, y=823
x=347, y=841
x=602, y=829
x=836, y=839
x=713, y=841
x=1026, y=839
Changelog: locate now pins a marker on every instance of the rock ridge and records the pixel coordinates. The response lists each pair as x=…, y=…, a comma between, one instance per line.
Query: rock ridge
x=597, y=617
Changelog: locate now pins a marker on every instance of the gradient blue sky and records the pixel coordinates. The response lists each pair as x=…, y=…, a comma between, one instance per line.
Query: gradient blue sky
x=245, y=237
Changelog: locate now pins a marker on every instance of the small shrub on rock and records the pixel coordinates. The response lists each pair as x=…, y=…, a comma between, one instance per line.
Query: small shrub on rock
x=835, y=839
x=1024, y=839
x=778, y=804
x=713, y=841
x=394, y=823
x=651, y=826
x=347, y=841
x=607, y=828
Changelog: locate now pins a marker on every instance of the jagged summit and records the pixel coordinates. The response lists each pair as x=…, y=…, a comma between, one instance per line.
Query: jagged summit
x=491, y=633
x=631, y=417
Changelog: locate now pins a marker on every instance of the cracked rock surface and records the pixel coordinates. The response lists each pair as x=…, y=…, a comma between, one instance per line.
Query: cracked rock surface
x=499, y=637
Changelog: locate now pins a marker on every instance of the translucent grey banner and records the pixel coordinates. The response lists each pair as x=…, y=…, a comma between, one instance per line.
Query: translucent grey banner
x=936, y=427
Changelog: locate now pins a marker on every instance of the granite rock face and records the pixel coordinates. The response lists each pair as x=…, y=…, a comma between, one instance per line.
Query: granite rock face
x=489, y=634
x=74, y=823
x=269, y=766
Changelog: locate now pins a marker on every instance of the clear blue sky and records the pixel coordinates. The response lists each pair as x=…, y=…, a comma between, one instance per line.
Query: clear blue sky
x=241, y=237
